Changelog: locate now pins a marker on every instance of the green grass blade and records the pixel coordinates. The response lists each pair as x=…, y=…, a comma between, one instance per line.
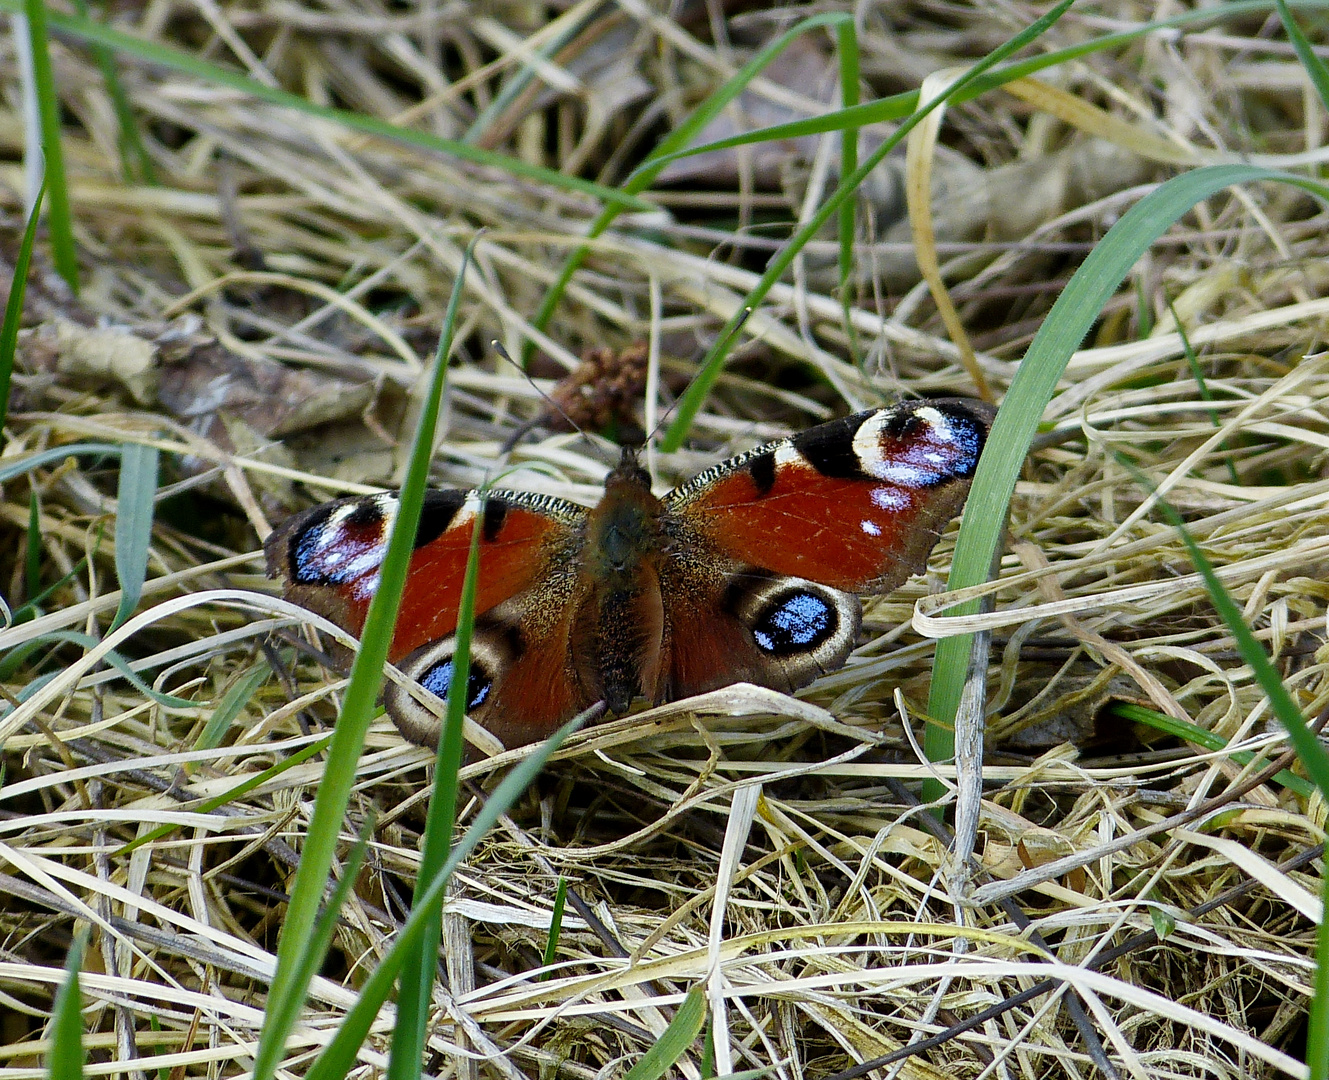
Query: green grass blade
x=59, y=216
x=1310, y=752
x=35, y=461
x=520, y=79
x=338, y=1057
x=133, y=524
x=1144, y=312
x=93, y=32
x=236, y=698
x=713, y=362
x=288, y=991
x=66, y=1057
x=555, y=924
x=847, y=36
x=879, y=110
x=1200, y=737
x=135, y=164
x=1197, y=373
x=30, y=609
x=1317, y=1028
x=243, y=788
x=155, y=1025
x=678, y=1037
x=15, y=657
x=1071, y=317
x=645, y=173
x=1313, y=64
x=320, y=936
x=14, y=307
x=87, y=641
x=898, y=106
x=417, y=980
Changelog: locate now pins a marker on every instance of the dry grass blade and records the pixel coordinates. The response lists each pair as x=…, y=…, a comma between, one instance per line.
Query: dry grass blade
x=259, y=322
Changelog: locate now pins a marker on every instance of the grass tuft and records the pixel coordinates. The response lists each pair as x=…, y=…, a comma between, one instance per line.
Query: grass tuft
x=295, y=964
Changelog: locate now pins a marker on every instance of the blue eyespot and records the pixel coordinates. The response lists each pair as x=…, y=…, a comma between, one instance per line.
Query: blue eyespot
x=438, y=680
x=796, y=622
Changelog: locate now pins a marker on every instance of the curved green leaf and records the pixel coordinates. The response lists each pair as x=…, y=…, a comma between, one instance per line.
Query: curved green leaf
x=133, y=524
x=1072, y=316
x=66, y=1058
x=674, y=1043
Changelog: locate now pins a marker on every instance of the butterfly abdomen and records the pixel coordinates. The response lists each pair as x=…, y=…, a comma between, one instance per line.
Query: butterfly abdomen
x=622, y=623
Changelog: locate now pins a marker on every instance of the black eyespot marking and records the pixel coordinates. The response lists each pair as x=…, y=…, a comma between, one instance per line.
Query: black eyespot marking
x=496, y=511
x=366, y=515
x=900, y=424
x=438, y=680
x=440, y=507
x=762, y=470
x=795, y=622
x=829, y=448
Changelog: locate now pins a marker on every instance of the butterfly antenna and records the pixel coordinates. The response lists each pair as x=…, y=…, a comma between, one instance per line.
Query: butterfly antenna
x=660, y=422
x=529, y=425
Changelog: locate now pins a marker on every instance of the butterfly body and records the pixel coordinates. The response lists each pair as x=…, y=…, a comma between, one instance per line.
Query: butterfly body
x=747, y=573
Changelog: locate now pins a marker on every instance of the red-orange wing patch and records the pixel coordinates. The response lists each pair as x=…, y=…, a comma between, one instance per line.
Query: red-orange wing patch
x=855, y=504
x=330, y=556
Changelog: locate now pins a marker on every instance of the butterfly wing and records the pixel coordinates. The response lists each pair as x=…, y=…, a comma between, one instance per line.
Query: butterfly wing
x=522, y=682
x=771, y=546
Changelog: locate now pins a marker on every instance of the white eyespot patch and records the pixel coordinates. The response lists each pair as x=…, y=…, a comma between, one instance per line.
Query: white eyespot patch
x=347, y=546
x=937, y=449
x=891, y=499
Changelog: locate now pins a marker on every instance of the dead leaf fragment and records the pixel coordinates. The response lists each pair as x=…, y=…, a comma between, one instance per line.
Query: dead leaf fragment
x=98, y=356
x=201, y=379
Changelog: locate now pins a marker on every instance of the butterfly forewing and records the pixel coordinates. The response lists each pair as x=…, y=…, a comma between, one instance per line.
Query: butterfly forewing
x=855, y=504
x=330, y=556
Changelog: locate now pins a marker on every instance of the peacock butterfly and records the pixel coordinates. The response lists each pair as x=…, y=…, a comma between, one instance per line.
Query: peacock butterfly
x=746, y=573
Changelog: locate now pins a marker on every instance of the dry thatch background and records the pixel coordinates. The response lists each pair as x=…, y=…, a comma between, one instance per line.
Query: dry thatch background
x=208, y=327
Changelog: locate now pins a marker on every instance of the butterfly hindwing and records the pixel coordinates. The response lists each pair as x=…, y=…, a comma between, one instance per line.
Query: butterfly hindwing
x=523, y=680
x=753, y=625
